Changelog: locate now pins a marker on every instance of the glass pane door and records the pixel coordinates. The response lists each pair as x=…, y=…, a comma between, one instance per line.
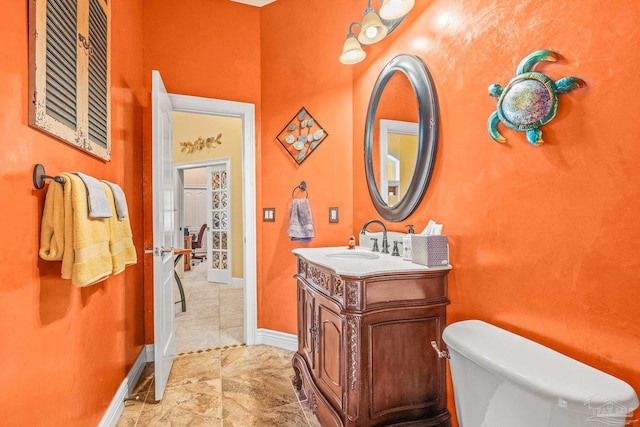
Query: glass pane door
x=219, y=221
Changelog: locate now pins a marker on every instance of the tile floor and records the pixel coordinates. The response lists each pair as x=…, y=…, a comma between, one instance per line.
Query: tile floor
x=214, y=316
x=236, y=386
x=215, y=379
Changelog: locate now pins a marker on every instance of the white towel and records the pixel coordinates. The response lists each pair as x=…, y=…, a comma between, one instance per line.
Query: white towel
x=120, y=200
x=96, y=197
x=301, y=221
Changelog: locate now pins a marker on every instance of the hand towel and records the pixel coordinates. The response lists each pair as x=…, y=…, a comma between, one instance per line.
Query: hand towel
x=120, y=200
x=123, y=252
x=56, y=231
x=96, y=197
x=52, y=225
x=301, y=221
x=90, y=260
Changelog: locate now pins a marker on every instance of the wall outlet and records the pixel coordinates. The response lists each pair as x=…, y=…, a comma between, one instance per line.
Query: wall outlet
x=269, y=214
x=333, y=215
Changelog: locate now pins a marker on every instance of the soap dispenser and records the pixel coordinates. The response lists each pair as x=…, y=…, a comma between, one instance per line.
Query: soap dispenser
x=407, y=253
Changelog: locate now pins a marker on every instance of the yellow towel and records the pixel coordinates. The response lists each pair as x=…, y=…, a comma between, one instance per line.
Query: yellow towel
x=90, y=260
x=90, y=248
x=56, y=233
x=123, y=252
x=52, y=228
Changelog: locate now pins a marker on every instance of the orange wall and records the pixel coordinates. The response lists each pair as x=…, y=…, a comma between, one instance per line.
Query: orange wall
x=232, y=51
x=301, y=41
x=208, y=48
x=64, y=350
x=544, y=240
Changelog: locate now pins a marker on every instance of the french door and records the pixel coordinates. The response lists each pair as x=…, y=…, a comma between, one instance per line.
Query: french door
x=219, y=222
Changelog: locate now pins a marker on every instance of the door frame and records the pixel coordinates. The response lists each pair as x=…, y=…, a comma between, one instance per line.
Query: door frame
x=246, y=112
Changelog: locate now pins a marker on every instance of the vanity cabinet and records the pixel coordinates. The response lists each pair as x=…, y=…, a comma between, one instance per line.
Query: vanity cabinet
x=364, y=346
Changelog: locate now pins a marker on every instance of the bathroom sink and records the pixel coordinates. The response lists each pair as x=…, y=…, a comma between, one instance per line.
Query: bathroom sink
x=353, y=255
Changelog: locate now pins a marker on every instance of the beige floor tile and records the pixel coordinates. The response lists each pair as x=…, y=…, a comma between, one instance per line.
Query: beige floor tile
x=197, y=367
x=281, y=416
x=232, y=336
x=230, y=385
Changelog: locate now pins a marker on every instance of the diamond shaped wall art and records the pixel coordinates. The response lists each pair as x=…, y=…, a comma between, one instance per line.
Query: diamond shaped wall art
x=301, y=136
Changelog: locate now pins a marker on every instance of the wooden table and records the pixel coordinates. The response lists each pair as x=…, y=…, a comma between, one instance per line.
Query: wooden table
x=179, y=253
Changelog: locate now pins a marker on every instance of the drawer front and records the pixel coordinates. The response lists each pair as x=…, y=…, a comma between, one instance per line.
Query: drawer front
x=409, y=290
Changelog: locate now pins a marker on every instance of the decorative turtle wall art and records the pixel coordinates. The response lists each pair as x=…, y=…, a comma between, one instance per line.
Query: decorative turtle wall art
x=530, y=100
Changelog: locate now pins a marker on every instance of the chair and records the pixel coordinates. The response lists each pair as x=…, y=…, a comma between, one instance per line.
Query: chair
x=198, y=244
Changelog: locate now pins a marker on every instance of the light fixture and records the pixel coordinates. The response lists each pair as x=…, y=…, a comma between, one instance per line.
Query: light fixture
x=352, y=52
x=372, y=30
x=394, y=9
x=374, y=27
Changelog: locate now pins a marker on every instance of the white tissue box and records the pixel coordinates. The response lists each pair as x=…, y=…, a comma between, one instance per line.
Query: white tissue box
x=432, y=251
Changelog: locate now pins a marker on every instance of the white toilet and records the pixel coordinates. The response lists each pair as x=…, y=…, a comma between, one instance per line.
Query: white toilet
x=501, y=379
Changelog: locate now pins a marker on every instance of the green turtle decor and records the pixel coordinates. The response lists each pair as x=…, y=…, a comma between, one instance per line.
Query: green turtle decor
x=530, y=100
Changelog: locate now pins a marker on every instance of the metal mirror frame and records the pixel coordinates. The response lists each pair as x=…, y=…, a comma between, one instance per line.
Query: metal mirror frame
x=429, y=117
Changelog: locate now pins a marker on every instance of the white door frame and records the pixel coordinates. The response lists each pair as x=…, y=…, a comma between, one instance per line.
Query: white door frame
x=394, y=127
x=246, y=112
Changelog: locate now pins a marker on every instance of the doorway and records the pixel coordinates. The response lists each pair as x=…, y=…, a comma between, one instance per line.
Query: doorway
x=246, y=113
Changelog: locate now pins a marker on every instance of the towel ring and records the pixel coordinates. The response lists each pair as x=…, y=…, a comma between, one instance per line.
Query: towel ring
x=301, y=187
x=39, y=176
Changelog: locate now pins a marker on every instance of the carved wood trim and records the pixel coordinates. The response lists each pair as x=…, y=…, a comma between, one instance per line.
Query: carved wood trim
x=353, y=294
x=313, y=402
x=302, y=267
x=353, y=333
x=338, y=287
x=353, y=327
x=319, y=278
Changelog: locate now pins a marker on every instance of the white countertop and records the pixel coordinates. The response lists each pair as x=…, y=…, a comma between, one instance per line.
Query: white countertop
x=344, y=261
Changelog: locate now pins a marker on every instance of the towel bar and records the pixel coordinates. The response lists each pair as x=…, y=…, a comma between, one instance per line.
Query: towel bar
x=39, y=176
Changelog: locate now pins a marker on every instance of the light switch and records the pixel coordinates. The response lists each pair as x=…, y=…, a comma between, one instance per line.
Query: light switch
x=269, y=214
x=333, y=215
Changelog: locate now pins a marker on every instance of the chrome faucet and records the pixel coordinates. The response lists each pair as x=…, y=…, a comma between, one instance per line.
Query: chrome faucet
x=385, y=243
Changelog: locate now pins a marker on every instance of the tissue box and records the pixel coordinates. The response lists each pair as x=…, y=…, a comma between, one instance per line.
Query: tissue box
x=432, y=251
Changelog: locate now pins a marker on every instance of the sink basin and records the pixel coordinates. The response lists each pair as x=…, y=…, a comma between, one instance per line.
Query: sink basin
x=353, y=255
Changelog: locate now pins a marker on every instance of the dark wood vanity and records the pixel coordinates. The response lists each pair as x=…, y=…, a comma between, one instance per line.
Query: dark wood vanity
x=364, y=344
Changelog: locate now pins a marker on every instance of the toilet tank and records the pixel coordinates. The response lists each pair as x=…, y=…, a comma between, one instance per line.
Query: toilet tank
x=501, y=379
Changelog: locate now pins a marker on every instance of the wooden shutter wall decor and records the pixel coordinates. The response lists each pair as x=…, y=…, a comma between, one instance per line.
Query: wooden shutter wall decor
x=69, y=72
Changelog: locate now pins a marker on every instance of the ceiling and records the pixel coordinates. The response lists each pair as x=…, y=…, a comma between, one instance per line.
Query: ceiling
x=254, y=2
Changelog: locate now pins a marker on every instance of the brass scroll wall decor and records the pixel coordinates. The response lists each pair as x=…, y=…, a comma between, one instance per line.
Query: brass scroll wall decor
x=200, y=143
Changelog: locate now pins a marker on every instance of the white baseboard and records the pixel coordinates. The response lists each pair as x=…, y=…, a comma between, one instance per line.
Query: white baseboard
x=237, y=281
x=116, y=407
x=149, y=349
x=277, y=339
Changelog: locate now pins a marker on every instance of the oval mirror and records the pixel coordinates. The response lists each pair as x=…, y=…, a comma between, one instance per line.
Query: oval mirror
x=401, y=137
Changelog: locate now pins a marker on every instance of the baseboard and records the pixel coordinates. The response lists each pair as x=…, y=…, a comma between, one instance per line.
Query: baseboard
x=116, y=407
x=277, y=339
x=149, y=349
x=237, y=281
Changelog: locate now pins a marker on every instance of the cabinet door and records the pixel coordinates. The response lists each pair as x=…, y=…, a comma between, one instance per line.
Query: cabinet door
x=331, y=360
x=406, y=375
x=306, y=324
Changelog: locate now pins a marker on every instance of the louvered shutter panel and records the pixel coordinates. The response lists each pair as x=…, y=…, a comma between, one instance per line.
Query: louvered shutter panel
x=61, y=67
x=69, y=72
x=98, y=81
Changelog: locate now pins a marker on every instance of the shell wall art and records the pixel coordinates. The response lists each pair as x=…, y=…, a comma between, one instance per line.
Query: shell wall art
x=301, y=136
